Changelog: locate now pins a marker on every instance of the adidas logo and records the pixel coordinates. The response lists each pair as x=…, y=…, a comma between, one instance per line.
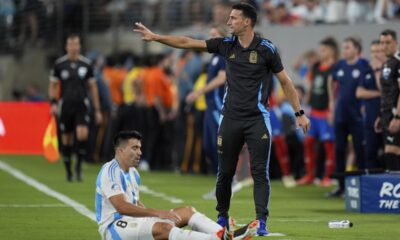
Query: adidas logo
x=264, y=136
x=232, y=56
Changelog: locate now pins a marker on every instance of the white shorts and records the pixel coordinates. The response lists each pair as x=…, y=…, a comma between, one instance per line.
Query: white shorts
x=133, y=228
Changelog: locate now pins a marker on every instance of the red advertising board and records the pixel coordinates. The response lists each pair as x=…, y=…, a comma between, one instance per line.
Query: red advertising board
x=22, y=127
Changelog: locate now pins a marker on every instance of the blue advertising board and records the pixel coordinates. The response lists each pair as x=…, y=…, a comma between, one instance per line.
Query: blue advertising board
x=378, y=193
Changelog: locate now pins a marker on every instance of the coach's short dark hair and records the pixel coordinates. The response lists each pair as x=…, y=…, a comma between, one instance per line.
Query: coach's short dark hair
x=73, y=35
x=124, y=136
x=356, y=42
x=331, y=43
x=248, y=11
x=375, y=42
x=390, y=32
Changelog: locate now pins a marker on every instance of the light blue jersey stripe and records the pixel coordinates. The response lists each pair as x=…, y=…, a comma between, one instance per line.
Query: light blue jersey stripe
x=137, y=177
x=114, y=234
x=99, y=198
x=267, y=122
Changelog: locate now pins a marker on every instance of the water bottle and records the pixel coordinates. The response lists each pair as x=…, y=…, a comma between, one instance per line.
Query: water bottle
x=340, y=224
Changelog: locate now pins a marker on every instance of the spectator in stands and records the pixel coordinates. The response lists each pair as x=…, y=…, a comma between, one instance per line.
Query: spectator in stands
x=33, y=94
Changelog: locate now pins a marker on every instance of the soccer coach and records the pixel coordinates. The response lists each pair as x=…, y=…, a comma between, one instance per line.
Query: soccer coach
x=250, y=63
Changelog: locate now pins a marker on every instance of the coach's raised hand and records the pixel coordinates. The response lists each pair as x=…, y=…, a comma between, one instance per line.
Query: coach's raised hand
x=147, y=35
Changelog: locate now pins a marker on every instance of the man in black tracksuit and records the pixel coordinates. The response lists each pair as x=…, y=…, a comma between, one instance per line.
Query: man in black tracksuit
x=250, y=63
x=389, y=121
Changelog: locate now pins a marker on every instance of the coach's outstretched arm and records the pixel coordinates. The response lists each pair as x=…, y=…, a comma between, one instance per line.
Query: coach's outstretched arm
x=173, y=41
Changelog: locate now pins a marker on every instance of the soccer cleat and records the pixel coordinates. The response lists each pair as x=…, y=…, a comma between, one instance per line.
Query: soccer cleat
x=326, y=182
x=262, y=229
x=246, y=232
x=210, y=195
x=336, y=193
x=224, y=234
x=288, y=181
x=306, y=180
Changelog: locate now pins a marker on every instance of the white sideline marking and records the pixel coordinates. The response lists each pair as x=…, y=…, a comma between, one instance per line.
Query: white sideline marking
x=80, y=208
x=145, y=189
x=49, y=205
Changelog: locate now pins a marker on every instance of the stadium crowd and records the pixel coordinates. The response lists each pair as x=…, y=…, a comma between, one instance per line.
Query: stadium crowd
x=149, y=93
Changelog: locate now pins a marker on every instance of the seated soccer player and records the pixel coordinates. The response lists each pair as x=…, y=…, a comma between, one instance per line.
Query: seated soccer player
x=121, y=215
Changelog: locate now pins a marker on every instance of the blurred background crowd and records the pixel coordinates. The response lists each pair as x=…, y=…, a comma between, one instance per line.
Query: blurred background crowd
x=144, y=86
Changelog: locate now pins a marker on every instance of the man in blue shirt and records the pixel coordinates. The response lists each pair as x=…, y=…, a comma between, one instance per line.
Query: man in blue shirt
x=369, y=92
x=214, y=92
x=348, y=73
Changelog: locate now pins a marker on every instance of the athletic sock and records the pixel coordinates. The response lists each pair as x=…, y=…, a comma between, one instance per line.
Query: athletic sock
x=82, y=156
x=330, y=158
x=181, y=234
x=282, y=154
x=199, y=222
x=390, y=161
x=309, y=160
x=66, y=156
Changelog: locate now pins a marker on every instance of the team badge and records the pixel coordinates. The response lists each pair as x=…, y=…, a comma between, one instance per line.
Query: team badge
x=356, y=73
x=214, y=61
x=253, y=57
x=386, y=72
x=368, y=76
x=64, y=74
x=116, y=187
x=340, y=73
x=82, y=72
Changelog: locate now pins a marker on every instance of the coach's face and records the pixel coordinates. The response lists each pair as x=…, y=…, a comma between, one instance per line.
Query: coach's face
x=376, y=52
x=214, y=33
x=349, y=51
x=388, y=44
x=237, y=23
x=73, y=46
x=130, y=153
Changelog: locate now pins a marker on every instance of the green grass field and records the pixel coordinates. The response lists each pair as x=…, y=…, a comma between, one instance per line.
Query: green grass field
x=298, y=213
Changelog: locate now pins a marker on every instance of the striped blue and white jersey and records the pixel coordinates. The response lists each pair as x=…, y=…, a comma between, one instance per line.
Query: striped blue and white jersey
x=111, y=181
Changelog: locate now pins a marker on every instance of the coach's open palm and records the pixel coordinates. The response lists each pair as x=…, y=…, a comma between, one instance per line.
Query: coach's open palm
x=147, y=35
x=303, y=122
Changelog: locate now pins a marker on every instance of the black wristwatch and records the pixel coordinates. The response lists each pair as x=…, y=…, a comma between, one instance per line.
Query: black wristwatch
x=299, y=113
x=397, y=117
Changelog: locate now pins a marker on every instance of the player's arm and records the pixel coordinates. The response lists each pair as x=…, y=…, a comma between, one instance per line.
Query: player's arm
x=216, y=82
x=331, y=96
x=125, y=208
x=53, y=94
x=173, y=41
x=291, y=95
x=364, y=93
x=96, y=100
x=394, y=125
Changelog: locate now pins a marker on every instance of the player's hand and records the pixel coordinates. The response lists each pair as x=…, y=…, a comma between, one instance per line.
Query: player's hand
x=394, y=125
x=377, y=125
x=54, y=109
x=98, y=117
x=191, y=97
x=170, y=215
x=303, y=122
x=147, y=35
